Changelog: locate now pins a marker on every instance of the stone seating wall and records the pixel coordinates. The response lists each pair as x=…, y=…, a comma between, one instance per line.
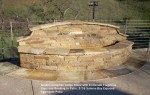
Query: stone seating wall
x=74, y=46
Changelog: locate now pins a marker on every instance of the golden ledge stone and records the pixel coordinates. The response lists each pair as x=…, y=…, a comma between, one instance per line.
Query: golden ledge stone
x=74, y=46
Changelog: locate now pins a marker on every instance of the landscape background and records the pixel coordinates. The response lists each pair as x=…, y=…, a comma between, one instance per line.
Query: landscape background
x=45, y=10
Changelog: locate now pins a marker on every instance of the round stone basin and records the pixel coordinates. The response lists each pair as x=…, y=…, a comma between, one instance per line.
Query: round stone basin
x=74, y=46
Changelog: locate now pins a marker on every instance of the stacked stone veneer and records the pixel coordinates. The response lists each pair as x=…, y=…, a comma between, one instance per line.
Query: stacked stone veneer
x=74, y=46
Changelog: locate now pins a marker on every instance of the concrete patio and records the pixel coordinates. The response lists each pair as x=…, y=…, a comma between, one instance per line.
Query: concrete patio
x=134, y=83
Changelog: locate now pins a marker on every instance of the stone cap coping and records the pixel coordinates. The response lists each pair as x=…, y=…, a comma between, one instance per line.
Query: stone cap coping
x=67, y=51
x=73, y=22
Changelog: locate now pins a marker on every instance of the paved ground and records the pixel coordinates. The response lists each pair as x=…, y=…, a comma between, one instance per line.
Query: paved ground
x=135, y=83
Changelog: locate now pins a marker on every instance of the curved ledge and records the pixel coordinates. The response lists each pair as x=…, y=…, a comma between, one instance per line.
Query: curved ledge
x=73, y=22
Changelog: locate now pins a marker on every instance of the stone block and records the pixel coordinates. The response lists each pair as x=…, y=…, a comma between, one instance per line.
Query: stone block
x=96, y=50
x=50, y=51
x=34, y=42
x=56, y=45
x=86, y=58
x=71, y=58
x=39, y=33
x=81, y=35
x=85, y=42
x=72, y=63
x=41, y=75
x=41, y=57
x=37, y=50
x=53, y=57
x=63, y=39
x=29, y=58
x=121, y=38
x=54, y=28
x=95, y=66
x=50, y=63
x=63, y=68
x=92, y=28
x=63, y=51
x=95, y=42
x=29, y=66
x=24, y=49
x=71, y=75
x=64, y=29
x=112, y=30
x=104, y=28
x=22, y=43
x=76, y=51
x=52, y=38
x=85, y=64
x=59, y=51
x=32, y=38
x=67, y=45
x=52, y=34
x=76, y=32
x=49, y=67
x=77, y=25
x=116, y=52
x=65, y=36
x=48, y=43
x=99, y=59
x=40, y=60
x=76, y=68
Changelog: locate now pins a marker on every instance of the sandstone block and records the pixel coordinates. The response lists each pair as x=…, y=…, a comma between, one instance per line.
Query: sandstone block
x=86, y=58
x=22, y=43
x=81, y=35
x=54, y=28
x=24, y=49
x=75, y=30
x=98, y=50
x=95, y=66
x=34, y=42
x=64, y=29
x=40, y=60
x=71, y=75
x=37, y=51
x=99, y=59
x=39, y=33
x=72, y=63
x=60, y=51
x=49, y=67
x=112, y=30
x=52, y=34
x=63, y=68
x=76, y=68
x=71, y=58
x=29, y=66
x=56, y=45
x=92, y=28
x=54, y=59
x=104, y=28
x=30, y=58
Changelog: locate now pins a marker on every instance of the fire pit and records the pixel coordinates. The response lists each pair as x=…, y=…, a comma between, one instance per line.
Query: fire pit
x=74, y=46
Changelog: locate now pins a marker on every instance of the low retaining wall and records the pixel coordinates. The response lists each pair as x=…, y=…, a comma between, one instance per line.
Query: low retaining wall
x=74, y=46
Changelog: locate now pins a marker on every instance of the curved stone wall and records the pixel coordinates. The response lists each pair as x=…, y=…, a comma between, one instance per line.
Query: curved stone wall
x=74, y=46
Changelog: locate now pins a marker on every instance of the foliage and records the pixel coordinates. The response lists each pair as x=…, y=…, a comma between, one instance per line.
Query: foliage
x=75, y=9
